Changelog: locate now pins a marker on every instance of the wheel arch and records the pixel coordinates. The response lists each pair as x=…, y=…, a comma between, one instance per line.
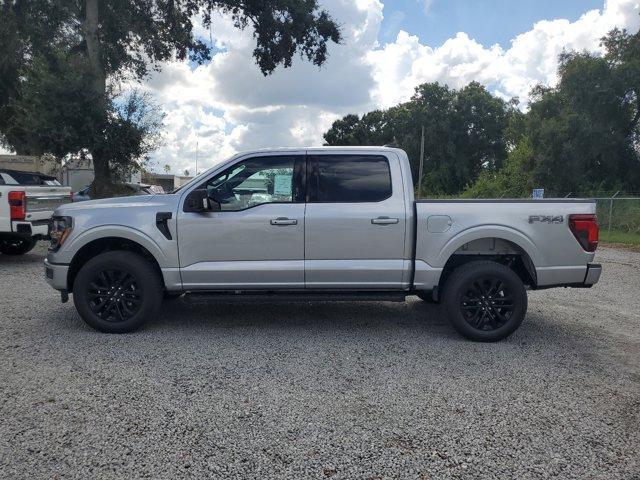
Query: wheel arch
x=502, y=245
x=106, y=244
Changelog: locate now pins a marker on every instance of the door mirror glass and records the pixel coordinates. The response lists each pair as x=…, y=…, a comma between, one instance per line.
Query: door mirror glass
x=198, y=201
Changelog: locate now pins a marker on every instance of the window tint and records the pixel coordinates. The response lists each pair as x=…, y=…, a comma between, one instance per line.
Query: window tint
x=255, y=181
x=349, y=178
x=28, y=178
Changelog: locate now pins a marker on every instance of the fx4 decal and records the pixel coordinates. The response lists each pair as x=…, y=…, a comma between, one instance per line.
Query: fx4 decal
x=546, y=219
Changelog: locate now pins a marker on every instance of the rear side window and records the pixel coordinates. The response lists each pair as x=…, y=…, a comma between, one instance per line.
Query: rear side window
x=349, y=178
x=28, y=178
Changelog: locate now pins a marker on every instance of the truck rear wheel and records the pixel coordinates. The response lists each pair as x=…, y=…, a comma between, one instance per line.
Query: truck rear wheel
x=17, y=246
x=485, y=301
x=117, y=292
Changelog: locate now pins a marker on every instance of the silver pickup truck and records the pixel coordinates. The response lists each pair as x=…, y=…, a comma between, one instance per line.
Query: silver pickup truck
x=318, y=224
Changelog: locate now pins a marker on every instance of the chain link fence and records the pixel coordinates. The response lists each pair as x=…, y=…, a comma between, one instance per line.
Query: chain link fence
x=618, y=215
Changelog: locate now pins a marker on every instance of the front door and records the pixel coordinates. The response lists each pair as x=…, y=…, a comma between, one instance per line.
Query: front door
x=256, y=241
x=355, y=222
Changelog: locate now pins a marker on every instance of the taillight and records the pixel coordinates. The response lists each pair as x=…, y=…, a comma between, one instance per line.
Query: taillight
x=585, y=228
x=17, y=205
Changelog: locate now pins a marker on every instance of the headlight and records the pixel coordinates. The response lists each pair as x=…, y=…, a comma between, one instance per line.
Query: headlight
x=60, y=229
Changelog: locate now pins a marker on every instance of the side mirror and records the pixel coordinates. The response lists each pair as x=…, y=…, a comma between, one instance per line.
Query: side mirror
x=198, y=201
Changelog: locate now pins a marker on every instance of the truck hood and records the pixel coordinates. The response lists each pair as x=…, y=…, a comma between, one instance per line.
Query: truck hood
x=135, y=201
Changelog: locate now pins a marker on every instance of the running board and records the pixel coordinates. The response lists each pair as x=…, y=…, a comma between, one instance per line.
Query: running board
x=302, y=296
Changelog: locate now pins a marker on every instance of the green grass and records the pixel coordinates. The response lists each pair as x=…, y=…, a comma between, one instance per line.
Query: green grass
x=617, y=236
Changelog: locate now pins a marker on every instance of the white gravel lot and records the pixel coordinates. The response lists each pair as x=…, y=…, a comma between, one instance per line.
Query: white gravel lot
x=344, y=390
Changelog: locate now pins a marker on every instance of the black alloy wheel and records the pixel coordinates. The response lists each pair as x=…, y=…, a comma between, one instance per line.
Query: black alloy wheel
x=118, y=291
x=485, y=300
x=487, y=303
x=114, y=295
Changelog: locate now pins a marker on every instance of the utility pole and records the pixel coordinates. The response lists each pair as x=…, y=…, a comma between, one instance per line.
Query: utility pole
x=421, y=170
x=610, y=215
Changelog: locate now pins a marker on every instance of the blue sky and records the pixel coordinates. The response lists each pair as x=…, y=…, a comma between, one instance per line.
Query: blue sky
x=487, y=21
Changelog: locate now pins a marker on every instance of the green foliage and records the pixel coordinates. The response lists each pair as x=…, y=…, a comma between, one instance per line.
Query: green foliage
x=52, y=110
x=511, y=181
x=582, y=135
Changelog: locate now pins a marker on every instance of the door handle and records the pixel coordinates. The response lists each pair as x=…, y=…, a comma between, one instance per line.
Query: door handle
x=283, y=221
x=384, y=221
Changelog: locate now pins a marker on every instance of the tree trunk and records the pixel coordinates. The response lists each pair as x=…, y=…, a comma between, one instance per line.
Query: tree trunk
x=103, y=181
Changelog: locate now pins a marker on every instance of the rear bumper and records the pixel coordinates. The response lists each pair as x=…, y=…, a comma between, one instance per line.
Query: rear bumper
x=56, y=275
x=37, y=228
x=594, y=270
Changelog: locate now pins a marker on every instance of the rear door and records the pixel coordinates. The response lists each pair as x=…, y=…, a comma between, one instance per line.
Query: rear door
x=355, y=222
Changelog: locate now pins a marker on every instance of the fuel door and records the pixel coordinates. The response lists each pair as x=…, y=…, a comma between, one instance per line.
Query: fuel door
x=439, y=223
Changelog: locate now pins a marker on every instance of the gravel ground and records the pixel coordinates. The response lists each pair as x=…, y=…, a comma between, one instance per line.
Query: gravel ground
x=345, y=390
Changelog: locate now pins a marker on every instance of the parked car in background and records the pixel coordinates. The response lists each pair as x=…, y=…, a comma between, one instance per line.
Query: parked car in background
x=321, y=223
x=27, y=201
x=134, y=188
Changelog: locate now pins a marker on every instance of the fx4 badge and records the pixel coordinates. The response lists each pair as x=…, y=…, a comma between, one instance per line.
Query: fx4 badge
x=546, y=219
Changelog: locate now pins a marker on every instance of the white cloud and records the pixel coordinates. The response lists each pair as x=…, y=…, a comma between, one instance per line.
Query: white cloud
x=532, y=57
x=426, y=6
x=227, y=105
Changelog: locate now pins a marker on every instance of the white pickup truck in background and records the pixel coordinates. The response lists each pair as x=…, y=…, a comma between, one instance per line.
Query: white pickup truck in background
x=27, y=201
x=323, y=224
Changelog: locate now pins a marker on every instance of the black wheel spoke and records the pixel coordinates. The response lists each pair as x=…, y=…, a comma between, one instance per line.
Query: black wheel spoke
x=486, y=303
x=114, y=295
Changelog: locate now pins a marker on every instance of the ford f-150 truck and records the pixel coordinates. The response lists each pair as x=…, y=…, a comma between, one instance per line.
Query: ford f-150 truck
x=318, y=224
x=27, y=201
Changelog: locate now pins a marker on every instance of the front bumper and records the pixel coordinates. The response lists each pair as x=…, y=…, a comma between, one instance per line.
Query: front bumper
x=56, y=275
x=594, y=270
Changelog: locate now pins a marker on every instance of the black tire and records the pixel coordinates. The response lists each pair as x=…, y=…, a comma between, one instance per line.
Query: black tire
x=426, y=297
x=17, y=246
x=485, y=301
x=117, y=292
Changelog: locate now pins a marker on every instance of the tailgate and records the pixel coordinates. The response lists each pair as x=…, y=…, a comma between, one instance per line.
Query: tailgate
x=42, y=201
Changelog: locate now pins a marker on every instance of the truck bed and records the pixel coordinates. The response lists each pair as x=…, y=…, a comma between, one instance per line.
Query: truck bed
x=537, y=228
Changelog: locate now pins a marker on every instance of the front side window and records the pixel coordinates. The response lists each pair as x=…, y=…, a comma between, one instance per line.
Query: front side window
x=255, y=181
x=349, y=178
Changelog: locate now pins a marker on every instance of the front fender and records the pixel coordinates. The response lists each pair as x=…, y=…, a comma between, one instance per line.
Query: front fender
x=69, y=250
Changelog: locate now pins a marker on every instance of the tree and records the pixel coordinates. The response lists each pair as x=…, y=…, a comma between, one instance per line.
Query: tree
x=186, y=173
x=110, y=40
x=585, y=131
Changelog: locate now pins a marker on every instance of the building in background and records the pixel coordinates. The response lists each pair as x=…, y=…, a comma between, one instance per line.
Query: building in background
x=27, y=163
x=167, y=181
x=77, y=173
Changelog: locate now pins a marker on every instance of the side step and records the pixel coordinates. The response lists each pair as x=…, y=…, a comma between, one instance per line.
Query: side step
x=301, y=296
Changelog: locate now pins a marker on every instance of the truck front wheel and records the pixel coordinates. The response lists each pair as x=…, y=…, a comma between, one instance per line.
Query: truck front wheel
x=484, y=300
x=117, y=292
x=17, y=246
